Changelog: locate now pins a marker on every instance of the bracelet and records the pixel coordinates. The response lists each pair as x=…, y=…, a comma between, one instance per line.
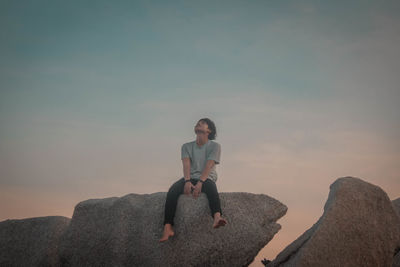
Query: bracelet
x=187, y=181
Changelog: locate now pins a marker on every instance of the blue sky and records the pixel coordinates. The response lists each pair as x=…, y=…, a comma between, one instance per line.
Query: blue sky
x=97, y=98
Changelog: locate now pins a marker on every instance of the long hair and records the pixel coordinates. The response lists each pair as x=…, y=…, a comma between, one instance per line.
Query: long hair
x=211, y=126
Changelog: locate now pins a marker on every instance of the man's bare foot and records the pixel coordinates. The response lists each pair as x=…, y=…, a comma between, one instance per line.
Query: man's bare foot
x=167, y=232
x=218, y=220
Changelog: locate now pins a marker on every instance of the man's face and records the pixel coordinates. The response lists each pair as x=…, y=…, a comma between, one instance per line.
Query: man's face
x=201, y=128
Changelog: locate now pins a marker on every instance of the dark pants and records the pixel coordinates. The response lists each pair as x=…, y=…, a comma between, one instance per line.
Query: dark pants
x=209, y=188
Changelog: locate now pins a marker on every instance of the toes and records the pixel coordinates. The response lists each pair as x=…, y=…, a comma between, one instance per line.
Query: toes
x=222, y=222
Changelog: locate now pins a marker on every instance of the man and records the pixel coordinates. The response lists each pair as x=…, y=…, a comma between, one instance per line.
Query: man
x=199, y=158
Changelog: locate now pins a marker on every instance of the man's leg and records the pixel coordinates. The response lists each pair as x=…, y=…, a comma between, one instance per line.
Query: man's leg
x=210, y=189
x=172, y=200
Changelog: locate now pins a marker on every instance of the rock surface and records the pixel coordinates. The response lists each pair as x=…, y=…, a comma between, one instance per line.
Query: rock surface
x=396, y=259
x=359, y=227
x=125, y=231
x=396, y=205
x=31, y=241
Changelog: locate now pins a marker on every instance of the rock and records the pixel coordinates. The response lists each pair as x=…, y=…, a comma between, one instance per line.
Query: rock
x=359, y=227
x=125, y=231
x=265, y=261
x=396, y=205
x=396, y=259
x=31, y=241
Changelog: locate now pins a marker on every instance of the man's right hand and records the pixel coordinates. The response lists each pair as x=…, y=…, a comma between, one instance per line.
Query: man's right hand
x=188, y=188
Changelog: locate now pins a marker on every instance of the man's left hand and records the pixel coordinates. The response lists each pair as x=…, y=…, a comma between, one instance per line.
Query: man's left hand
x=197, y=189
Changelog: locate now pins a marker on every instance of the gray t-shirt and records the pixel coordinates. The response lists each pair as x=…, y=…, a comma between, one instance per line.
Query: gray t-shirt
x=199, y=156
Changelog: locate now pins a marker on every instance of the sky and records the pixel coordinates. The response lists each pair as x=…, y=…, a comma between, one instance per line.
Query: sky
x=97, y=98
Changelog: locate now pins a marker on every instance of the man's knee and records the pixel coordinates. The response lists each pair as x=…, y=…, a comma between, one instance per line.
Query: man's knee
x=176, y=187
x=209, y=182
x=209, y=185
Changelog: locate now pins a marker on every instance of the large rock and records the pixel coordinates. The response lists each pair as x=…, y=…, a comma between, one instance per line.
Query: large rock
x=125, y=231
x=396, y=205
x=31, y=241
x=359, y=227
x=396, y=259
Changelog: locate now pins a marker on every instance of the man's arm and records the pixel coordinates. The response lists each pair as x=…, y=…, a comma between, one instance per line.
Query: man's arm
x=186, y=168
x=210, y=163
